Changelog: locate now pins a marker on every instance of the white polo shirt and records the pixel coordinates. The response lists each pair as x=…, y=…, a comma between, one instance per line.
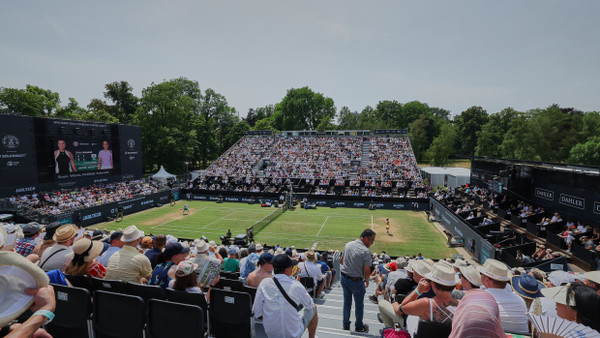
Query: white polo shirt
x=513, y=310
x=280, y=319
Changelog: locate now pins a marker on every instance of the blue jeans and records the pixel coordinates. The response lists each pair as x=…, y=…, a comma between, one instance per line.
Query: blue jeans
x=356, y=290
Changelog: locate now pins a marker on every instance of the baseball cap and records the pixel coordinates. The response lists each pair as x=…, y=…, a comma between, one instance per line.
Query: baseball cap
x=147, y=240
x=173, y=249
x=32, y=228
x=282, y=262
x=265, y=258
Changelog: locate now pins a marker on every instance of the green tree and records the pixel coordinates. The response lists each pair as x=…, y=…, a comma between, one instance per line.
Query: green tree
x=468, y=123
x=586, y=153
x=31, y=101
x=491, y=135
x=168, y=115
x=125, y=103
x=73, y=111
x=590, y=125
x=218, y=118
x=411, y=111
x=237, y=132
x=388, y=114
x=417, y=132
x=303, y=109
x=347, y=120
x=367, y=119
x=268, y=123
x=443, y=146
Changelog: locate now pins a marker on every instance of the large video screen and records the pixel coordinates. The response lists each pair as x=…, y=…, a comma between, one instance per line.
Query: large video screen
x=46, y=154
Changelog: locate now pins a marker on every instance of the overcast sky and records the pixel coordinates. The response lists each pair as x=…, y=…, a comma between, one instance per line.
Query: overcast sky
x=449, y=54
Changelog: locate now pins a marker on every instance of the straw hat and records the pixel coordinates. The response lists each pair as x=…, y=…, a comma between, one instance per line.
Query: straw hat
x=17, y=273
x=421, y=267
x=201, y=246
x=558, y=294
x=495, y=270
x=131, y=233
x=442, y=274
x=310, y=256
x=471, y=274
x=88, y=248
x=65, y=233
x=460, y=263
x=593, y=276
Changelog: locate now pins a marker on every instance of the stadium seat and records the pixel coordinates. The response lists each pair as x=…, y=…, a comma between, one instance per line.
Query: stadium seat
x=191, y=299
x=109, y=285
x=251, y=291
x=429, y=329
x=72, y=313
x=118, y=316
x=230, y=314
x=230, y=284
x=147, y=292
x=80, y=282
x=188, y=320
x=230, y=275
x=309, y=284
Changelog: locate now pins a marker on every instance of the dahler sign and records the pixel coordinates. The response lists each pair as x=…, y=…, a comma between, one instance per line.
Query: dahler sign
x=572, y=201
x=544, y=194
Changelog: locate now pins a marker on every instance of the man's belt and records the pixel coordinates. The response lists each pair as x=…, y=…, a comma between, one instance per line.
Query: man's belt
x=354, y=279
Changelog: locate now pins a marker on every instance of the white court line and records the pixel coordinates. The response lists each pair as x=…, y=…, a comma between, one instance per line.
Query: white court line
x=335, y=215
x=180, y=217
x=211, y=223
x=371, y=222
x=322, y=225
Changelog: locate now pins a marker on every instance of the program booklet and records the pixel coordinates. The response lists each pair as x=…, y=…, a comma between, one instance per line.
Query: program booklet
x=208, y=269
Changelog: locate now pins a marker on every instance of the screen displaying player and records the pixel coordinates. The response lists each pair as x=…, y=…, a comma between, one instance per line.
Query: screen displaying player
x=105, y=157
x=64, y=162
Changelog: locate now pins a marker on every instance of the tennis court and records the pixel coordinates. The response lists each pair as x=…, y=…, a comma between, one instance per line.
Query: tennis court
x=328, y=228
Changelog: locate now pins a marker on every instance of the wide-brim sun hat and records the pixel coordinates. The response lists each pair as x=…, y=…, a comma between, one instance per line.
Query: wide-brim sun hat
x=131, y=233
x=471, y=274
x=495, y=270
x=65, y=232
x=201, y=246
x=442, y=274
x=16, y=274
x=91, y=249
x=560, y=277
x=557, y=294
x=421, y=267
x=527, y=286
x=593, y=276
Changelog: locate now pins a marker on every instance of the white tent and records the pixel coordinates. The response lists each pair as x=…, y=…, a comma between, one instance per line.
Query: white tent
x=444, y=176
x=163, y=174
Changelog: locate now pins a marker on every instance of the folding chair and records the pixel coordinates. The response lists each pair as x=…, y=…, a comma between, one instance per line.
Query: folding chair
x=229, y=275
x=80, y=282
x=118, y=286
x=188, y=320
x=230, y=314
x=309, y=285
x=197, y=299
x=230, y=284
x=72, y=313
x=147, y=292
x=118, y=316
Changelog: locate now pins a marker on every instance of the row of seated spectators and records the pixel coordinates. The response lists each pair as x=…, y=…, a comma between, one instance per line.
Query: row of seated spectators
x=568, y=233
x=333, y=187
x=392, y=158
x=65, y=200
x=314, y=157
x=241, y=158
x=321, y=157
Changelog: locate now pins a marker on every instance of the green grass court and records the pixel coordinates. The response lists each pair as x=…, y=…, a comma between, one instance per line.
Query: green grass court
x=330, y=228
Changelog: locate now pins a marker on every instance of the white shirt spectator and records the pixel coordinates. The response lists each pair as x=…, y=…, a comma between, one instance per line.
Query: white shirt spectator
x=56, y=257
x=310, y=269
x=513, y=311
x=280, y=319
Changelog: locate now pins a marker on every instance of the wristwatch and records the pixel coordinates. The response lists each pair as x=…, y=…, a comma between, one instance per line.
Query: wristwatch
x=45, y=313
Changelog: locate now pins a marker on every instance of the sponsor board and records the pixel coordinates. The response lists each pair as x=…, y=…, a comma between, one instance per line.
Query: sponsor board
x=544, y=194
x=596, y=207
x=572, y=201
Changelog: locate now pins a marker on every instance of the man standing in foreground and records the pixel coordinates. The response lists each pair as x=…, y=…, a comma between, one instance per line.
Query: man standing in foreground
x=356, y=269
x=279, y=308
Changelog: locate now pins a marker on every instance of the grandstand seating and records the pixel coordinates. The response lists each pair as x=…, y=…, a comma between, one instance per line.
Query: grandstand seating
x=230, y=314
x=187, y=319
x=319, y=165
x=72, y=314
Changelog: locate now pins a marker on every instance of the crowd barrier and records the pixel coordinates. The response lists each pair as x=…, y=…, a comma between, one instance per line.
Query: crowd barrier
x=421, y=204
x=107, y=211
x=457, y=226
